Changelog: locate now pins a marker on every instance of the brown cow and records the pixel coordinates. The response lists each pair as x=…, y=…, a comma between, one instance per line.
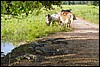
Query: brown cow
x=66, y=18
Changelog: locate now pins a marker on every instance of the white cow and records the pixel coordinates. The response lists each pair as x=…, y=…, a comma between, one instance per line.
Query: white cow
x=51, y=18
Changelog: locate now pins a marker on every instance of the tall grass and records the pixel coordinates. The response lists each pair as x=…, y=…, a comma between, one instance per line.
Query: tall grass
x=29, y=28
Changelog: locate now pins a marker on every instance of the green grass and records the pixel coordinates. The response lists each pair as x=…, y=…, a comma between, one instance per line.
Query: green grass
x=33, y=27
x=27, y=29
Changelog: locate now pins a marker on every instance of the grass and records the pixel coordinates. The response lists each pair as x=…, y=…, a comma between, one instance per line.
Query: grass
x=33, y=27
x=26, y=29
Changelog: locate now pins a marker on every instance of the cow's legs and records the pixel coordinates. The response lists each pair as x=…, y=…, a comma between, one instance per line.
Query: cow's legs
x=51, y=23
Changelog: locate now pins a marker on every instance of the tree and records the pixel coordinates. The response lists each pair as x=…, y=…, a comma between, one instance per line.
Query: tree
x=69, y=2
x=19, y=7
x=95, y=3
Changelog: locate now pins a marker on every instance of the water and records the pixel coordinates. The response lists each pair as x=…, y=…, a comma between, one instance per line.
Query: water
x=6, y=47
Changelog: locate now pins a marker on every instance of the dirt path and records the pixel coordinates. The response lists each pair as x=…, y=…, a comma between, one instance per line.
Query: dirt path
x=83, y=46
x=77, y=48
x=80, y=27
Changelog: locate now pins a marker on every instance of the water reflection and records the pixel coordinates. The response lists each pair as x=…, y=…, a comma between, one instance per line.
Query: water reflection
x=6, y=47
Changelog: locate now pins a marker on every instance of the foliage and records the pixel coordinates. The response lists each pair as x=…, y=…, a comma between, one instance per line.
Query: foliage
x=96, y=3
x=27, y=28
x=19, y=7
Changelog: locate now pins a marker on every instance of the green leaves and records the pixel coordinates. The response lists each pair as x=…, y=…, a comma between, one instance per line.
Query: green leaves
x=19, y=7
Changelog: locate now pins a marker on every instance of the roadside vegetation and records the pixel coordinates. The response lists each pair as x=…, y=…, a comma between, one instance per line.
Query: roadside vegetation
x=27, y=28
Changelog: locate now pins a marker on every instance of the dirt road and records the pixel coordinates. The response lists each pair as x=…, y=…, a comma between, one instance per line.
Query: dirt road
x=79, y=47
x=83, y=46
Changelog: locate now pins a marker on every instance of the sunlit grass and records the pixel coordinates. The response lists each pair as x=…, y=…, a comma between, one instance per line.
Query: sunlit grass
x=27, y=29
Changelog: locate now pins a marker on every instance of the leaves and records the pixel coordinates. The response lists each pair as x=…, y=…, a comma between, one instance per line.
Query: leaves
x=19, y=7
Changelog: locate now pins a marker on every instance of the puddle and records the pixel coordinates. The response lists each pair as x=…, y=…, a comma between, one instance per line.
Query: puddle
x=6, y=47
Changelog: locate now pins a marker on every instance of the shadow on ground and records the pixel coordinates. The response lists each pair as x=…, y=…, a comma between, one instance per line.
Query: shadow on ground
x=55, y=52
